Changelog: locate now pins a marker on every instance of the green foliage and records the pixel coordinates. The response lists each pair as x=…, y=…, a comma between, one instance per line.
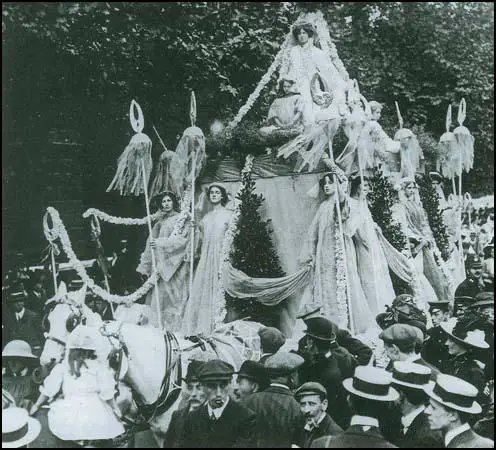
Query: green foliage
x=430, y=202
x=253, y=252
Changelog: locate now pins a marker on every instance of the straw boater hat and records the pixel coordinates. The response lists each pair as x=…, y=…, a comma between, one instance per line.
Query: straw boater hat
x=468, y=338
x=18, y=429
x=19, y=349
x=454, y=393
x=372, y=383
x=411, y=375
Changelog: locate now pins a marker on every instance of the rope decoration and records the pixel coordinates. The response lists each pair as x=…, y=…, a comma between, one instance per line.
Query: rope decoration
x=119, y=220
x=60, y=232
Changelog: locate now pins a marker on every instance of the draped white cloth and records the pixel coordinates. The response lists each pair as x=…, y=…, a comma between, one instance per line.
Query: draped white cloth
x=172, y=284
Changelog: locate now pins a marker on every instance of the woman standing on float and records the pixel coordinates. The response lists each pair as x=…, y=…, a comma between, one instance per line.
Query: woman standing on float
x=200, y=310
x=170, y=247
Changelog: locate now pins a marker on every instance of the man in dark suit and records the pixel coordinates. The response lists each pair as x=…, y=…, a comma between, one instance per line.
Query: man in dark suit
x=278, y=413
x=221, y=422
x=328, y=364
x=360, y=352
x=313, y=403
x=195, y=397
x=21, y=323
x=452, y=403
x=409, y=379
x=370, y=391
x=400, y=343
x=434, y=350
x=251, y=378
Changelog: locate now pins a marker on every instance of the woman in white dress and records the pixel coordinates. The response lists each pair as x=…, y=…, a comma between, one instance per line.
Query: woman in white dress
x=320, y=250
x=200, y=311
x=170, y=247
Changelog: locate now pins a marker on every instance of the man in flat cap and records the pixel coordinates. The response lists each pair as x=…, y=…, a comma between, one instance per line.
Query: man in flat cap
x=361, y=352
x=370, y=392
x=251, y=378
x=195, y=395
x=271, y=340
x=328, y=364
x=409, y=379
x=278, y=413
x=221, y=422
x=434, y=350
x=313, y=403
x=452, y=404
x=400, y=342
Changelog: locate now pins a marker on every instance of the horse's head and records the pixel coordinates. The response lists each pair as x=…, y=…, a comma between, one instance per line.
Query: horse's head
x=65, y=312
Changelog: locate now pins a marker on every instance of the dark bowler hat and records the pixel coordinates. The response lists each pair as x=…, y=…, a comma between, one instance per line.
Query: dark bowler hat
x=438, y=305
x=282, y=363
x=215, y=370
x=17, y=295
x=454, y=393
x=483, y=299
x=192, y=372
x=372, y=383
x=310, y=388
x=254, y=371
x=320, y=328
x=271, y=339
x=410, y=374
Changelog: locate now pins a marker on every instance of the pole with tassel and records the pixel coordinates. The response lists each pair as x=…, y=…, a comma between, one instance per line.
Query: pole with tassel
x=192, y=117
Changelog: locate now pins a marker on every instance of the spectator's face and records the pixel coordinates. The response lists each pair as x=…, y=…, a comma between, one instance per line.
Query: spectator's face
x=439, y=316
x=488, y=311
x=244, y=387
x=453, y=347
x=475, y=272
x=312, y=407
x=16, y=365
x=438, y=417
x=196, y=394
x=18, y=305
x=216, y=392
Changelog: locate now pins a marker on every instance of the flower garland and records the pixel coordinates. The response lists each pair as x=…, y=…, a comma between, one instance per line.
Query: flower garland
x=220, y=299
x=119, y=220
x=59, y=231
x=184, y=214
x=343, y=315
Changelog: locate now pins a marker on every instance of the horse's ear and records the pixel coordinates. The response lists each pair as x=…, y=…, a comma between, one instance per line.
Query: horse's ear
x=72, y=322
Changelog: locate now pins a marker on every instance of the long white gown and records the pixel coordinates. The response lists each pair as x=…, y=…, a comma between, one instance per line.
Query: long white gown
x=200, y=310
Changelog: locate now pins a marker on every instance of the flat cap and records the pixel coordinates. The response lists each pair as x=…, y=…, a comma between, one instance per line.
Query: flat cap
x=402, y=332
x=310, y=388
x=283, y=363
x=271, y=339
x=320, y=328
x=215, y=370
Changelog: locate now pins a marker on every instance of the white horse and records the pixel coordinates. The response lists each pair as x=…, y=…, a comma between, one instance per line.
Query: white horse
x=150, y=363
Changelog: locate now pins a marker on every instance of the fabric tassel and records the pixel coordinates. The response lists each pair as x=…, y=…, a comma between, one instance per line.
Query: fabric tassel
x=448, y=154
x=162, y=180
x=128, y=179
x=410, y=150
x=464, y=140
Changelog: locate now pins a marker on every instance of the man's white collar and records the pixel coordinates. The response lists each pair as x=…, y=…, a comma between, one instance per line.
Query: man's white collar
x=315, y=424
x=451, y=434
x=365, y=421
x=217, y=412
x=20, y=314
x=408, y=419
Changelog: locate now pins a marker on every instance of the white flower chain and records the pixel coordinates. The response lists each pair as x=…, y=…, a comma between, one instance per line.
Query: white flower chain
x=59, y=231
x=119, y=220
x=341, y=280
x=220, y=300
x=184, y=214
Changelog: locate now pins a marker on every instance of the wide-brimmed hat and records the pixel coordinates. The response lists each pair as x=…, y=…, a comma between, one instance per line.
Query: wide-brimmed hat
x=372, y=383
x=192, y=371
x=483, y=299
x=254, y=371
x=454, y=393
x=411, y=375
x=309, y=310
x=18, y=429
x=282, y=363
x=310, y=388
x=215, y=370
x=320, y=328
x=271, y=339
x=471, y=338
x=18, y=349
x=83, y=337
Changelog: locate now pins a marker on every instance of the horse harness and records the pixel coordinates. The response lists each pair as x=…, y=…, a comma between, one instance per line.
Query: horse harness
x=76, y=318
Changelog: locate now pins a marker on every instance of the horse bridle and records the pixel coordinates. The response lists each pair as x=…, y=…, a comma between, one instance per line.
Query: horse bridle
x=76, y=310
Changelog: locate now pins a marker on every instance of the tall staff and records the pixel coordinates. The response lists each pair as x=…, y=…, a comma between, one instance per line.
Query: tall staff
x=134, y=167
x=192, y=117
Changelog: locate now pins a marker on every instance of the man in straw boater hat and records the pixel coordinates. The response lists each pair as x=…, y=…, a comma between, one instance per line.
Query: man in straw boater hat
x=434, y=350
x=361, y=352
x=370, y=391
x=18, y=429
x=409, y=379
x=317, y=423
x=452, y=404
x=278, y=413
x=461, y=343
x=220, y=422
x=251, y=378
x=329, y=364
x=195, y=397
